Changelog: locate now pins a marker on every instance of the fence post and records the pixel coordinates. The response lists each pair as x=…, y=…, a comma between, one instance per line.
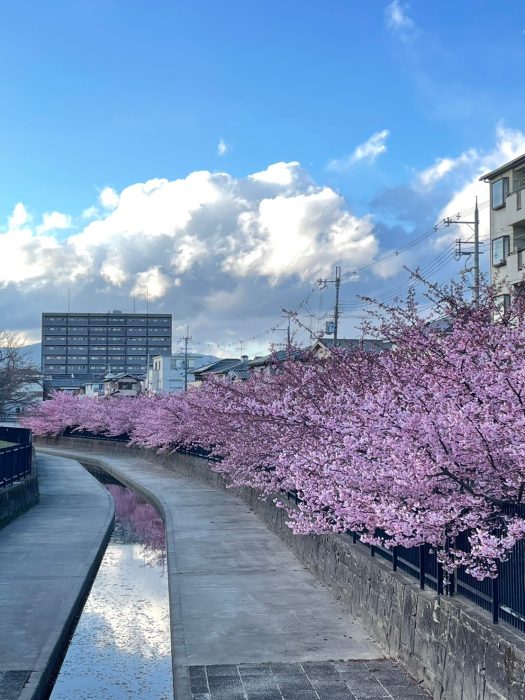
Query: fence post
x=440, y=578
x=451, y=579
x=422, y=564
x=394, y=559
x=495, y=596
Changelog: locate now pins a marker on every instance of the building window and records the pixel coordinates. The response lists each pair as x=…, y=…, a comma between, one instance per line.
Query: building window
x=500, y=250
x=499, y=191
x=125, y=386
x=503, y=303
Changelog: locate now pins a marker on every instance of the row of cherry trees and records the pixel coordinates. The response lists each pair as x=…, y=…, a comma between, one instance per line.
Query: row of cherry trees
x=410, y=446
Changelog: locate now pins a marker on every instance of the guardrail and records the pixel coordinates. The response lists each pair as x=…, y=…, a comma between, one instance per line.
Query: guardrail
x=15, y=460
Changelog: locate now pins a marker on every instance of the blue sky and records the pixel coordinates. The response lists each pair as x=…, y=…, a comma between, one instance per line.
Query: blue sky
x=367, y=97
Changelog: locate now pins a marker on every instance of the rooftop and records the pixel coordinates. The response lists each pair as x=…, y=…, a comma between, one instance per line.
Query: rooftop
x=520, y=160
x=217, y=367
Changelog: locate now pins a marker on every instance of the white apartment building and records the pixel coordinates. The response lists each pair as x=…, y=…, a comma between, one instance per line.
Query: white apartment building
x=507, y=224
x=166, y=373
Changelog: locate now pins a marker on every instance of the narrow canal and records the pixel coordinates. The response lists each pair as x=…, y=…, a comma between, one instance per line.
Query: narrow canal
x=120, y=648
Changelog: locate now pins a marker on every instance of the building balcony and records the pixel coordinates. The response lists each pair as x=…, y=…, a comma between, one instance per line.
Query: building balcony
x=512, y=214
x=512, y=271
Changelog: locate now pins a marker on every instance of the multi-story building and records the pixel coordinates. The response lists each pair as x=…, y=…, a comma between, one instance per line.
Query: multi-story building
x=507, y=224
x=80, y=347
x=166, y=373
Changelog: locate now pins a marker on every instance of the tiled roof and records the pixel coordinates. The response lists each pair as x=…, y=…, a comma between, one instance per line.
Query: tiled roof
x=121, y=375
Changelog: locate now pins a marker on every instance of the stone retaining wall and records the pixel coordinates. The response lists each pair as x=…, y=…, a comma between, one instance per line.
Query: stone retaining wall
x=447, y=643
x=19, y=497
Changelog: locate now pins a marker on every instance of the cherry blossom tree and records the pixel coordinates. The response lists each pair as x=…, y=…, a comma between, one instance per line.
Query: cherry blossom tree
x=419, y=444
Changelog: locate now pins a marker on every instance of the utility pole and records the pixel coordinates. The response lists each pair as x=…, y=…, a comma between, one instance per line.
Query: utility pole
x=336, y=308
x=337, y=282
x=185, y=339
x=476, y=251
x=288, y=315
x=476, y=254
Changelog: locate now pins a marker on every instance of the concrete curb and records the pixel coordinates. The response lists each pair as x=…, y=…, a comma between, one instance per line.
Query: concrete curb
x=51, y=655
x=181, y=674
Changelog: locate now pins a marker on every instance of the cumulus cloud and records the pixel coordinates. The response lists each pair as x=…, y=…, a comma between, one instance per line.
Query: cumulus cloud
x=398, y=21
x=222, y=148
x=367, y=151
x=275, y=224
x=151, y=284
x=109, y=198
x=19, y=217
x=54, y=221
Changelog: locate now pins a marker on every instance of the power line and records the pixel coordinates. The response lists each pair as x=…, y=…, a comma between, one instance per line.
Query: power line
x=417, y=240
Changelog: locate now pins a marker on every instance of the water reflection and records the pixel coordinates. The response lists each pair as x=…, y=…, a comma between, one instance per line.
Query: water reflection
x=136, y=521
x=121, y=646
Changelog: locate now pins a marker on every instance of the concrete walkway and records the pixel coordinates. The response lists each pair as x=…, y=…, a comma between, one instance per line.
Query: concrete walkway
x=48, y=558
x=248, y=620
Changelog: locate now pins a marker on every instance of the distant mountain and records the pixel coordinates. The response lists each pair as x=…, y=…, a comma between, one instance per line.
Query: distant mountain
x=34, y=354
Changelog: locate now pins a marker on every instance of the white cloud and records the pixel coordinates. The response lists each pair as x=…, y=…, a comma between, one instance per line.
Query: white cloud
x=398, y=20
x=90, y=213
x=19, y=217
x=54, y=221
x=222, y=148
x=301, y=235
x=112, y=272
x=284, y=174
x=206, y=230
x=367, y=151
x=151, y=284
x=430, y=176
x=510, y=143
x=109, y=198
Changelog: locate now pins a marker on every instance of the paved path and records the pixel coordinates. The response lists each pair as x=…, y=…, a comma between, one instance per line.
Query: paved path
x=47, y=556
x=248, y=620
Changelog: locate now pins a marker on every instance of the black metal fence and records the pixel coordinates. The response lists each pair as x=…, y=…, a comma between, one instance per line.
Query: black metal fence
x=503, y=597
x=86, y=434
x=15, y=460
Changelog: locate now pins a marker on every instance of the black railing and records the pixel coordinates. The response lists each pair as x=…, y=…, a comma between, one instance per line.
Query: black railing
x=503, y=597
x=87, y=435
x=16, y=459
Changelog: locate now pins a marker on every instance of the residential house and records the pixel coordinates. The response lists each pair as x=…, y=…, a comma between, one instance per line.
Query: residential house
x=167, y=373
x=122, y=384
x=219, y=368
x=322, y=346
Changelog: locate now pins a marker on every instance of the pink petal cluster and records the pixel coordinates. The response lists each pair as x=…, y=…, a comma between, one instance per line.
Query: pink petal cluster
x=415, y=445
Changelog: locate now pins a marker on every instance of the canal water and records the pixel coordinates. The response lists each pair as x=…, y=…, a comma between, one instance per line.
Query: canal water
x=121, y=647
